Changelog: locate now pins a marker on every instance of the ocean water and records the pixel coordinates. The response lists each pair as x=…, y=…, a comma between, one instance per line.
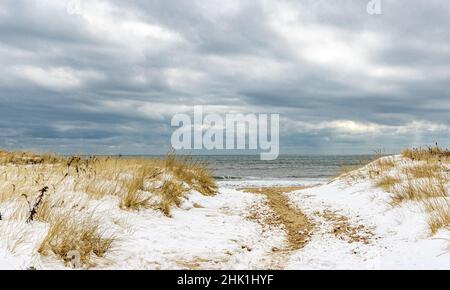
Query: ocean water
x=286, y=167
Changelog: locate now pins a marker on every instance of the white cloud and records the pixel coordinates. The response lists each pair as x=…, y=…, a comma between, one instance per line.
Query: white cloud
x=216, y=9
x=58, y=78
x=351, y=127
x=148, y=110
x=249, y=67
x=350, y=56
x=124, y=28
x=184, y=78
x=341, y=126
x=422, y=126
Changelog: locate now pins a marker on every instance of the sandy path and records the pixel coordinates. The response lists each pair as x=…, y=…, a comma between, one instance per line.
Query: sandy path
x=296, y=225
x=249, y=228
x=342, y=239
x=255, y=228
x=300, y=226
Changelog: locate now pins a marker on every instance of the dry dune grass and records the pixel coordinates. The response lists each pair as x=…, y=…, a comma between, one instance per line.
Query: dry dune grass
x=383, y=164
x=379, y=167
x=431, y=154
x=136, y=192
x=21, y=158
x=438, y=210
x=388, y=182
x=376, y=165
x=429, y=193
x=171, y=193
x=194, y=173
x=419, y=190
x=71, y=182
x=132, y=180
x=71, y=226
x=426, y=170
x=69, y=233
x=422, y=176
x=423, y=180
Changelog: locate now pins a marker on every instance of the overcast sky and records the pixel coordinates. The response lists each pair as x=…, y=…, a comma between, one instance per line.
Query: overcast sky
x=107, y=76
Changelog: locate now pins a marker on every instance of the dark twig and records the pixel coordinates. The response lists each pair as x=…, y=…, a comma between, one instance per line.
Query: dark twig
x=33, y=211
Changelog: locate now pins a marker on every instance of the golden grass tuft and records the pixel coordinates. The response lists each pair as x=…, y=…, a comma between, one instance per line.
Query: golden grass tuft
x=171, y=193
x=135, y=196
x=195, y=173
x=425, y=170
x=384, y=164
x=73, y=228
x=76, y=233
x=438, y=214
x=431, y=153
x=23, y=158
x=419, y=190
x=388, y=182
x=380, y=166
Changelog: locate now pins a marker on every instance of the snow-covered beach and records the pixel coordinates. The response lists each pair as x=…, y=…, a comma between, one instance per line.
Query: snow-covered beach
x=350, y=223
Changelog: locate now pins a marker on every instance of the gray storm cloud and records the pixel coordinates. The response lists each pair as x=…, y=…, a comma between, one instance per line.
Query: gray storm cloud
x=106, y=76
